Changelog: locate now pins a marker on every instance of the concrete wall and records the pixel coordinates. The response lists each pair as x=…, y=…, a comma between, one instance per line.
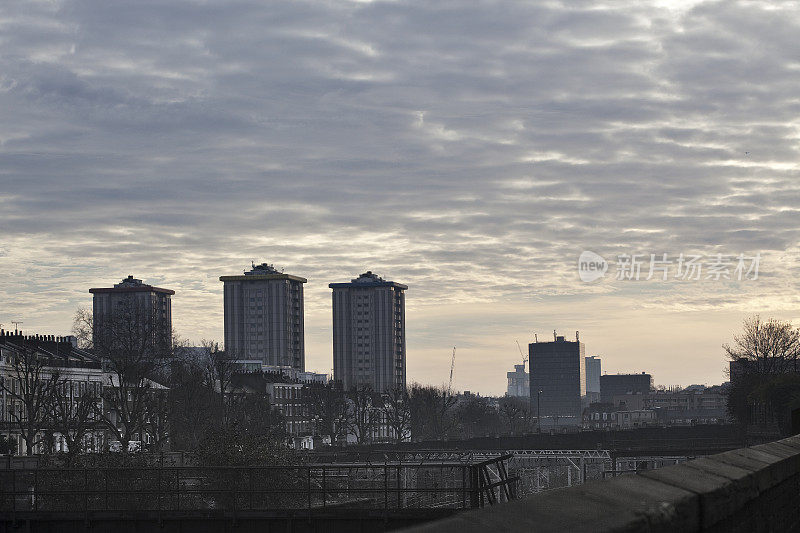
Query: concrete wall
x=748, y=489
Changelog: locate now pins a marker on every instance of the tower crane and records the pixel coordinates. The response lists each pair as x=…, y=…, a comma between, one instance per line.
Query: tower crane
x=452, y=367
x=524, y=357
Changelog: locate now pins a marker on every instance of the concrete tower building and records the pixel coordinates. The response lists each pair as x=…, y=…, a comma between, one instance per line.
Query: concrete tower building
x=369, y=333
x=148, y=307
x=264, y=317
x=518, y=382
x=593, y=372
x=558, y=370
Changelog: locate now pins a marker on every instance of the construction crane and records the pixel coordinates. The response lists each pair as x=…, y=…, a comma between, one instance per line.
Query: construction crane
x=524, y=357
x=452, y=367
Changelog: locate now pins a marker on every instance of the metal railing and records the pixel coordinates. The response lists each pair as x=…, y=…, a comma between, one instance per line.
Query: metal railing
x=390, y=486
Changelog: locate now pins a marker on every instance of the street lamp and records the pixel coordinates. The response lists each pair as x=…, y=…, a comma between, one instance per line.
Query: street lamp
x=538, y=411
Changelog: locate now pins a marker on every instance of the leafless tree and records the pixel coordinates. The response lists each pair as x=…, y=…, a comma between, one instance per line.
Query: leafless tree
x=219, y=368
x=364, y=412
x=82, y=328
x=476, y=417
x=193, y=407
x=770, y=347
x=767, y=382
x=329, y=409
x=73, y=408
x=134, y=350
x=29, y=385
x=431, y=412
x=396, y=406
x=516, y=411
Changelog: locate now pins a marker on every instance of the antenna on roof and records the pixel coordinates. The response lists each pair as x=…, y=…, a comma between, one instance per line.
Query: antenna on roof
x=555, y=337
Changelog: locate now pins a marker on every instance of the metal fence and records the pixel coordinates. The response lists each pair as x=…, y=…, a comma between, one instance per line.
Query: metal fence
x=387, y=486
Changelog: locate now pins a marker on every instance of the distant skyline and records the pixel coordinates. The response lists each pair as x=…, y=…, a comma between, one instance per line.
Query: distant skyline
x=469, y=150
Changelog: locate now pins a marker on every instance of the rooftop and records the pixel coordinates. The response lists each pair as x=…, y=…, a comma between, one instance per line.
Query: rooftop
x=58, y=351
x=260, y=270
x=264, y=271
x=368, y=279
x=130, y=284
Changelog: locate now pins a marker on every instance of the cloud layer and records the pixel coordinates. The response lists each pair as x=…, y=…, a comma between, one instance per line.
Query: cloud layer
x=469, y=149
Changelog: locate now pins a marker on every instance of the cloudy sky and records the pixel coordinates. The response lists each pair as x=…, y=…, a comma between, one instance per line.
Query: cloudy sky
x=470, y=149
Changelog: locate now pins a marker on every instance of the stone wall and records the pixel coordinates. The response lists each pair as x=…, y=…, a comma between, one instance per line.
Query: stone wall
x=747, y=489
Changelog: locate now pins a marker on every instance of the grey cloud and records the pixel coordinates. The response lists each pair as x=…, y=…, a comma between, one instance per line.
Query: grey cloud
x=470, y=150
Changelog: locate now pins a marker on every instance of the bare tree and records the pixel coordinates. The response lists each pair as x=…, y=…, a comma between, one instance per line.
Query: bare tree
x=769, y=347
x=329, y=409
x=73, y=408
x=476, y=417
x=431, y=412
x=396, y=406
x=193, y=407
x=134, y=350
x=252, y=415
x=219, y=368
x=82, y=325
x=29, y=385
x=516, y=411
x=767, y=381
x=363, y=413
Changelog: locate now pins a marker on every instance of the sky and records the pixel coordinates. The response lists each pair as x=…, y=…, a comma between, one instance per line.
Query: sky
x=469, y=149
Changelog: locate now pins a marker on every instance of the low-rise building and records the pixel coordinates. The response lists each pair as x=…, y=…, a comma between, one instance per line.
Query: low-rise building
x=55, y=360
x=288, y=400
x=706, y=405
x=693, y=405
x=607, y=416
x=620, y=384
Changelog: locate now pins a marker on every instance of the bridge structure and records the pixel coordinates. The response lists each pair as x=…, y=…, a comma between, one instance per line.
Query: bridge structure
x=537, y=470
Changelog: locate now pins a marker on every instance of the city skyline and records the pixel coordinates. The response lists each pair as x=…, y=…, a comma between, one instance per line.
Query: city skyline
x=473, y=151
x=321, y=358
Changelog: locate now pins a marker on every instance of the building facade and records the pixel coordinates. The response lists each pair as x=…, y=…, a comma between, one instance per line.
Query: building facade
x=264, y=317
x=519, y=384
x=131, y=301
x=706, y=405
x=76, y=373
x=288, y=399
x=593, y=371
x=369, y=333
x=620, y=384
x=605, y=416
x=558, y=381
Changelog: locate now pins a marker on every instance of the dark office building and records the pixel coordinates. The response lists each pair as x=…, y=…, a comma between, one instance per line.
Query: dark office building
x=618, y=384
x=558, y=370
